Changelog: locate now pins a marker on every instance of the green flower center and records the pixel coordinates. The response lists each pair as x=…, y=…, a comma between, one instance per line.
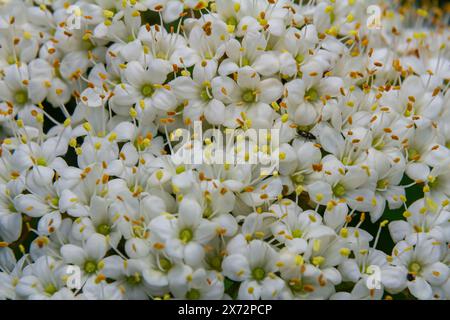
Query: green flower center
x=11, y=207
x=50, y=289
x=312, y=95
x=41, y=161
x=205, y=95
x=216, y=263
x=298, y=178
x=232, y=21
x=147, y=90
x=378, y=143
x=382, y=184
x=258, y=273
x=415, y=267
x=54, y=202
x=90, y=267
x=134, y=279
x=299, y=58
x=245, y=62
x=11, y=60
x=297, y=233
x=413, y=154
x=347, y=161
x=249, y=96
x=296, y=285
x=165, y=264
x=104, y=229
x=339, y=190
x=193, y=294
x=434, y=183
x=21, y=97
x=186, y=235
x=87, y=45
x=207, y=212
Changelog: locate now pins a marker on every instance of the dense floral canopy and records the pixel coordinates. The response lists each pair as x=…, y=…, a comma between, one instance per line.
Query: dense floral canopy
x=94, y=95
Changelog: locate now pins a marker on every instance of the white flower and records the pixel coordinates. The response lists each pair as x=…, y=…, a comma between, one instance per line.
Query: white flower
x=421, y=257
x=197, y=96
x=89, y=257
x=249, y=95
x=185, y=235
x=43, y=280
x=251, y=52
x=254, y=266
x=188, y=284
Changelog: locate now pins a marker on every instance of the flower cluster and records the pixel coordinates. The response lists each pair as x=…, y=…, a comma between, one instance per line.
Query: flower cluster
x=93, y=204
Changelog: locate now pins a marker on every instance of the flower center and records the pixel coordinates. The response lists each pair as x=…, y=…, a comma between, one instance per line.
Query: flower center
x=297, y=233
x=249, y=96
x=193, y=294
x=433, y=183
x=207, y=212
x=41, y=161
x=21, y=97
x=87, y=45
x=134, y=279
x=378, y=143
x=12, y=208
x=296, y=285
x=413, y=154
x=258, y=273
x=382, y=184
x=165, y=264
x=11, y=60
x=312, y=95
x=147, y=90
x=245, y=62
x=90, y=267
x=339, y=190
x=232, y=21
x=415, y=267
x=347, y=161
x=216, y=263
x=50, y=289
x=54, y=201
x=298, y=178
x=161, y=55
x=186, y=235
x=104, y=229
x=205, y=95
x=299, y=58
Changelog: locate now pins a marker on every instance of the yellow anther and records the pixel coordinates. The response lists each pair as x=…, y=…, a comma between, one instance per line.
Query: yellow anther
x=407, y=214
x=317, y=261
x=133, y=113
x=87, y=126
x=345, y=252
x=422, y=13
x=73, y=142
x=316, y=245
x=108, y=13
x=112, y=137
x=319, y=197
x=299, y=260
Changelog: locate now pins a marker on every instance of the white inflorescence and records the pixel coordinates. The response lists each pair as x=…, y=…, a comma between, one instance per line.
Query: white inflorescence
x=93, y=204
